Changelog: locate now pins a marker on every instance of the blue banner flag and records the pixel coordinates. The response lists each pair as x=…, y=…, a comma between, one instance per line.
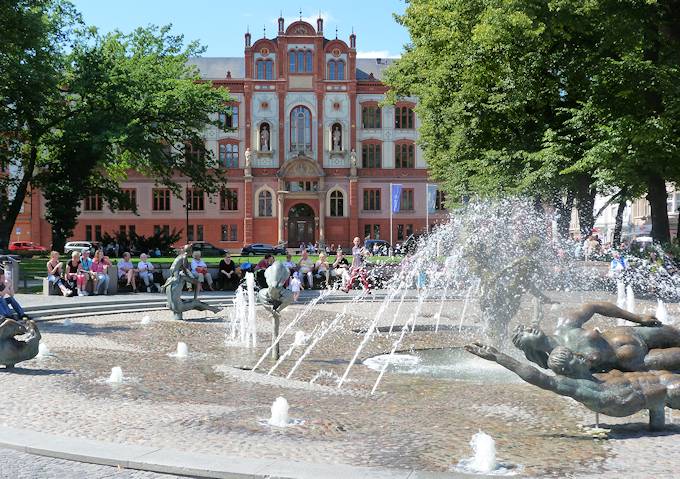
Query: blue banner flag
x=431, y=198
x=396, y=198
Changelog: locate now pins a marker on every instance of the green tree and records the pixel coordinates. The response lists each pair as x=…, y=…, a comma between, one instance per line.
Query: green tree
x=35, y=36
x=141, y=108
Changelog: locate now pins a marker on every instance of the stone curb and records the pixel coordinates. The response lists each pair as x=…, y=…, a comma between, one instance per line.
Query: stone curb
x=169, y=461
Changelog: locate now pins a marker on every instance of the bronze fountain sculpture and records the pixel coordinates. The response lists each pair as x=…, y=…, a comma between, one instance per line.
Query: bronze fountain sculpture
x=14, y=350
x=275, y=297
x=180, y=274
x=617, y=372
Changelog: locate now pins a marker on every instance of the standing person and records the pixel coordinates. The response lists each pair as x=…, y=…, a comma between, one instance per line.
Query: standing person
x=55, y=272
x=618, y=266
x=145, y=269
x=227, y=277
x=100, y=267
x=296, y=285
x=74, y=274
x=357, y=270
x=306, y=268
x=200, y=270
x=126, y=271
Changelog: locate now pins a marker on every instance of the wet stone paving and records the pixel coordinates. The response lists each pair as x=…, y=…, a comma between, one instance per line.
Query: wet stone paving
x=211, y=403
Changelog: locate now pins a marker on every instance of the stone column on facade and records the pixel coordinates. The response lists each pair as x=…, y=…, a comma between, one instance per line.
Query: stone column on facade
x=280, y=199
x=248, y=210
x=353, y=207
x=322, y=219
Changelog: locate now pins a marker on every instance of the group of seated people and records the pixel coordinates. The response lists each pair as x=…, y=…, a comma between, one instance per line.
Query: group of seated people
x=73, y=277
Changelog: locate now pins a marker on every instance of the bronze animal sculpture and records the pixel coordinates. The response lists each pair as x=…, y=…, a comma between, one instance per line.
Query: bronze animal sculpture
x=650, y=346
x=615, y=393
x=276, y=296
x=180, y=274
x=13, y=350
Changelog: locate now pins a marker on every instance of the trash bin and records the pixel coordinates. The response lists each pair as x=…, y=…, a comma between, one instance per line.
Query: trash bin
x=11, y=266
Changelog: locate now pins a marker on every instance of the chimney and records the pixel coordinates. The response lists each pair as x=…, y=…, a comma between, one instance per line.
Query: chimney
x=319, y=25
x=281, y=24
x=352, y=40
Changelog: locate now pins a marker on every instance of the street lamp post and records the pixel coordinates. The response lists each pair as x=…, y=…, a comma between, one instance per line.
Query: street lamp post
x=187, y=206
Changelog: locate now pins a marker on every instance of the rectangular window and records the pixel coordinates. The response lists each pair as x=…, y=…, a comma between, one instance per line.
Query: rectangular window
x=409, y=230
x=228, y=155
x=404, y=155
x=190, y=233
x=224, y=233
x=372, y=200
x=370, y=117
x=406, y=200
x=195, y=199
x=400, y=232
x=233, y=232
x=371, y=155
x=403, y=118
x=367, y=231
x=93, y=203
x=132, y=229
x=88, y=232
x=199, y=232
x=123, y=230
x=229, y=199
x=229, y=119
x=97, y=232
x=156, y=230
x=376, y=231
x=161, y=199
x=131, y=195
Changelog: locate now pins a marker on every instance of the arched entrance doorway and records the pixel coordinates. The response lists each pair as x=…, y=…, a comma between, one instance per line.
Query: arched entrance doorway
x=300, y=225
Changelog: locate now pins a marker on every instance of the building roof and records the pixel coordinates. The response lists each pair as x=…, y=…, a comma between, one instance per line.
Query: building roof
x=216, y=68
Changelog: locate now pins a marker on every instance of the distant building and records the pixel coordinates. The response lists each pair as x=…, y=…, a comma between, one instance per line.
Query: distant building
x=311, y=157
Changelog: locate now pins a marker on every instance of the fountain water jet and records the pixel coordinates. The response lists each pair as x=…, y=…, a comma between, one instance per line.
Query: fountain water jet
x=116, y=375
x=43, y=351
x=182, y=350
x=661, y=312
x=279, y=409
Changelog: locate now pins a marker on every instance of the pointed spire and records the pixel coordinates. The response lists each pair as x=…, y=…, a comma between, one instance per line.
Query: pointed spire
x=264, y=31
x=336, y=32
x=301, y=14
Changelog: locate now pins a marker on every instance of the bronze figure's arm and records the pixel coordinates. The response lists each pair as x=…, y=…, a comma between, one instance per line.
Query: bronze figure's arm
x=579, y=317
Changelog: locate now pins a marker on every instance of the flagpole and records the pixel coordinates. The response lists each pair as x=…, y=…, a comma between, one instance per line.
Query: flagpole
x=427, y=208
x=391, y=208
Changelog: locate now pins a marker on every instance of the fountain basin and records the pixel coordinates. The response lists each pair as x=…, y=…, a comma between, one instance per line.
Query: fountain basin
x=444, y=363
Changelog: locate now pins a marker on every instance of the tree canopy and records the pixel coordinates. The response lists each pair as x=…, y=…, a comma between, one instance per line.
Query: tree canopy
x=557, y=99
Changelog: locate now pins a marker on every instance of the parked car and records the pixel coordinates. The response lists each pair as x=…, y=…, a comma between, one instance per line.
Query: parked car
x=262, y=248
x=81, y=246
x=377, y=247
x=207, y=249
x=27, y=248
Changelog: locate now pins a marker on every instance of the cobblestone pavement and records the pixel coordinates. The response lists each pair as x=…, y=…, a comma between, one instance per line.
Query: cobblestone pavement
x=19, y=465
x=207, y=404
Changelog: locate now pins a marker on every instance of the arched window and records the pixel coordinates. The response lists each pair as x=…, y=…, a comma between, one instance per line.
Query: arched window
x=265, y=137
x=405, y=155
x=403, y=118
x=337, y=206
x=228, y=155
x=265, y=69
x=336, y=70
x=300, y=129
x=264, y=203
x=371, y=155
x=336, y=137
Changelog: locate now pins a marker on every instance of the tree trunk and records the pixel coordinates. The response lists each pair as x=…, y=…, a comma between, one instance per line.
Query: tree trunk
x=9, y=217
x=58, y=239
x=563, y=209
x=657, y=197
x=618, y=225
x=585, y=202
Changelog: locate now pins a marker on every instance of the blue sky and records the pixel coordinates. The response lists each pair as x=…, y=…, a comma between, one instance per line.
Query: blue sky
x=221, y=24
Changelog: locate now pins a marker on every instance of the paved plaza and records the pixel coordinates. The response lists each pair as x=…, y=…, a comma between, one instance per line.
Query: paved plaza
x=211, y=404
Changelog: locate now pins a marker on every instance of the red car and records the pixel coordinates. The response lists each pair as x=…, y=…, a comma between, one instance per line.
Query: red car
x=27, y=248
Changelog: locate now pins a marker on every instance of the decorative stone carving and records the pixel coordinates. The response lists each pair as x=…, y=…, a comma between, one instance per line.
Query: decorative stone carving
x=337, y=138
x=264, y=137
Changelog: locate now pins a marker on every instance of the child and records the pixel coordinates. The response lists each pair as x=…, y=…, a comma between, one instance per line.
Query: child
x=295, y=285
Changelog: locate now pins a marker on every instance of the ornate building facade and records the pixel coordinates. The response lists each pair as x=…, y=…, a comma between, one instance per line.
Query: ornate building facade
x=312, y=155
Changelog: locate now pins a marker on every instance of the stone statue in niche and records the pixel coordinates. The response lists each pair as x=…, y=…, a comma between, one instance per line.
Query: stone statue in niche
x=249, y=158
x=337, y=138
x=353, y=159
x=264, y=137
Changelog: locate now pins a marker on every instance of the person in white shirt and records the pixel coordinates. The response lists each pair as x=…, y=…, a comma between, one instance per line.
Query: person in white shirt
x=290, y=264
x=323, y=269
x=200, y=270
x=145, y=271
x=306, y=268
x=295, y=285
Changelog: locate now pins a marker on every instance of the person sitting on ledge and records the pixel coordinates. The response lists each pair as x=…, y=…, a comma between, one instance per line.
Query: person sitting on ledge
x=614, y=393
x=55, y=271
x=127, y=273
x=8, y=302
x=646, y=347
x=100, y=266
x=227, y=276
x=200, y=270
x=306, y=269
